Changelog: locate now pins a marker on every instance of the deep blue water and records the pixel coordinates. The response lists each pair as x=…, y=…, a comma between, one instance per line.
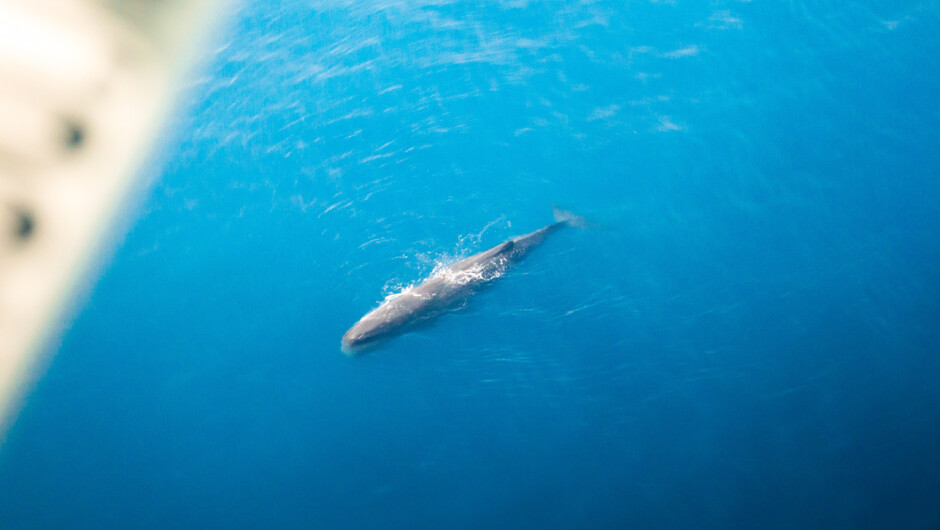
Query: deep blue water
x=747, y=337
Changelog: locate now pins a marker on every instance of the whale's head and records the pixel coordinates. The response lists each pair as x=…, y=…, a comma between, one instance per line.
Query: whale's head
x=361, y=337
x=374, y=328
x=397, y=314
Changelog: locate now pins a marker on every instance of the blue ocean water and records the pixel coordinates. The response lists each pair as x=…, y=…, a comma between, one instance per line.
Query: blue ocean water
x=746, y=337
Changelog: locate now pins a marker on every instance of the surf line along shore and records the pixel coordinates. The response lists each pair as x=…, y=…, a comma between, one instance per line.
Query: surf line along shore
x=445, y=289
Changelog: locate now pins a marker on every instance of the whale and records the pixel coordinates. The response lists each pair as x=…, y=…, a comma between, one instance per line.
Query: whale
x=445, y=289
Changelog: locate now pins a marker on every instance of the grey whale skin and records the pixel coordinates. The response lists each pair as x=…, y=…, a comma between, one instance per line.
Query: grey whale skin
x=445, y=289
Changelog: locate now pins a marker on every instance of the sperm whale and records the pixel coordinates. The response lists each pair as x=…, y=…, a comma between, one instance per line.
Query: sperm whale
x=445, y=289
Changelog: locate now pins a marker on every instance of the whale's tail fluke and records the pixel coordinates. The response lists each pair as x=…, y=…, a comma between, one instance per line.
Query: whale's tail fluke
x=564, y=216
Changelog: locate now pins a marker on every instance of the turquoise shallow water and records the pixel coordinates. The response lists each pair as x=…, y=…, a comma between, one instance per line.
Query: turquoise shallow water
x=745, y=337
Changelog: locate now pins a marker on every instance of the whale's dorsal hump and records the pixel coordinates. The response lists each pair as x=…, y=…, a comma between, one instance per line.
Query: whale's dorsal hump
x=497, y=250
x=484, y=256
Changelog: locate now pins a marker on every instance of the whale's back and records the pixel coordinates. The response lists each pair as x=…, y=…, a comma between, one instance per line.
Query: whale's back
x=487, y=256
